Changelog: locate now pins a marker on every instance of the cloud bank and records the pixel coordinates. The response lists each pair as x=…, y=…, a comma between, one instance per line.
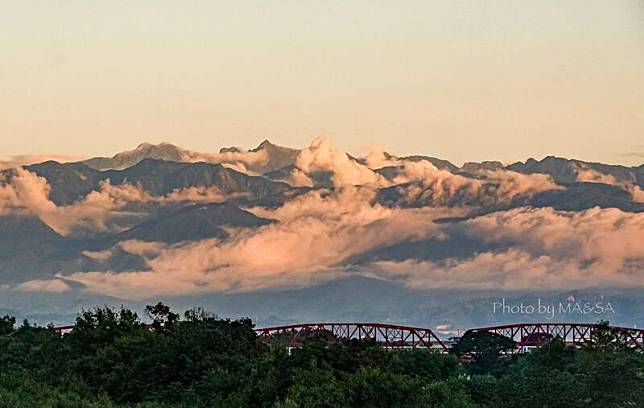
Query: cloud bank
x=319, y=232
x=314, y=236
x=593, y=176
x=548, y=249
x=25, y=160
x=28, y=192
x=544, y=249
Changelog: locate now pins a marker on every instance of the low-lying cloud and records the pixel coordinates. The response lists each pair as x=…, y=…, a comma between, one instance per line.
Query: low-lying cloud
x=420, y=179
x=309, y=244
x=27, y=159
x=318, y=234
x=249, y=162
x=321, y=155
x=543, y=249
x=548, y=250
x=593, y=176
x=28, y=192
x=44, y=285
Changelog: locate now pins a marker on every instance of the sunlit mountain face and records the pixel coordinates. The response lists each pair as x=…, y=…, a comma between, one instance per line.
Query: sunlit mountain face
x=378, y=236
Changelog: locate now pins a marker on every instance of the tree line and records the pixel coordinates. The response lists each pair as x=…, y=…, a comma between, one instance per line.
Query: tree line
x=112, y=359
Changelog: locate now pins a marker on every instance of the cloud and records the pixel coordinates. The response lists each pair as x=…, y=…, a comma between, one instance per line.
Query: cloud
x=607, y=235
x=9, y=200
x=422, y=183
x=27, y=192
x=349, y=204
x=193, y=194
x=315, y=234
x=592, y=176
x=377, y=158
x=31, y=192
x=249, y=162
x=25, y=160
x=510, y=184
x=421, y=180
x=142, y=248
x=637, y=194
x=508, y=270
x=299, y=178
x=345, y=171
x=318, y=232
x=548, y=250
x=442, y=182
x=100, y=256
x=43, y=285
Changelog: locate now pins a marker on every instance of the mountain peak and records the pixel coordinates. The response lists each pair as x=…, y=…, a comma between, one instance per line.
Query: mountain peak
x=266, y=144
x=144, y=145
x=231, y=149
x=162, y=145
x=162, y=151
x=276, y=156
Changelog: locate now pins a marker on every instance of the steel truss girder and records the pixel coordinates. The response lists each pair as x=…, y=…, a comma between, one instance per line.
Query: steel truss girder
x=573, y=333
x=389, y=335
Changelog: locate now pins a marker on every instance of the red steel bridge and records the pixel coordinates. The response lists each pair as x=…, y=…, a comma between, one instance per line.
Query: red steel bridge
x=532, y=334
x=389, y=335
x=398, y=336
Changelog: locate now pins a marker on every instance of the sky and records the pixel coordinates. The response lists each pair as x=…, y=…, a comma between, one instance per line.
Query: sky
x=461, y=80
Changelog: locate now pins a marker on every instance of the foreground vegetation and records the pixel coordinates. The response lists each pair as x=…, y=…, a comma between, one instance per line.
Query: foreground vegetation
x=111, y=359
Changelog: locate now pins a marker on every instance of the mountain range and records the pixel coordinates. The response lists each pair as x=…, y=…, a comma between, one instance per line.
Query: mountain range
x=317, y=233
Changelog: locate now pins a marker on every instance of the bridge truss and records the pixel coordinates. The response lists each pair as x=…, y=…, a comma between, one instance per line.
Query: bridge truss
x=573, y=333
x=399, y=337
x=388, y=335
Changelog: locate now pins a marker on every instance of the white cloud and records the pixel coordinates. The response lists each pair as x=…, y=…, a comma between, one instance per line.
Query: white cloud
x=548, y=249
x=592, y=176
x=28, y=192
x=315, y=234
x=142, y=248
x=43, y=285
x=25, y=160
x=100, y=256
x=322, y=156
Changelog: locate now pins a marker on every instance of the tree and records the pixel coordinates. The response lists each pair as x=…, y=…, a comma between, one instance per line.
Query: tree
x=162, y=316
x=373, y=387
x=317, y=388
x=111, y=359
x=101, y=326
x=445, y=394
x=7, y=325
x=615, y=371
x=485, y=347
x=427, y=365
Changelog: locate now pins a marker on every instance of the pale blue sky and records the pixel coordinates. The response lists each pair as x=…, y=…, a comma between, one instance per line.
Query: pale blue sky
x=463, y=80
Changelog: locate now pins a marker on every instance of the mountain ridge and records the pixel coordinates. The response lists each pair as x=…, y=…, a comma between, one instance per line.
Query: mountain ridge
x=221, y=224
